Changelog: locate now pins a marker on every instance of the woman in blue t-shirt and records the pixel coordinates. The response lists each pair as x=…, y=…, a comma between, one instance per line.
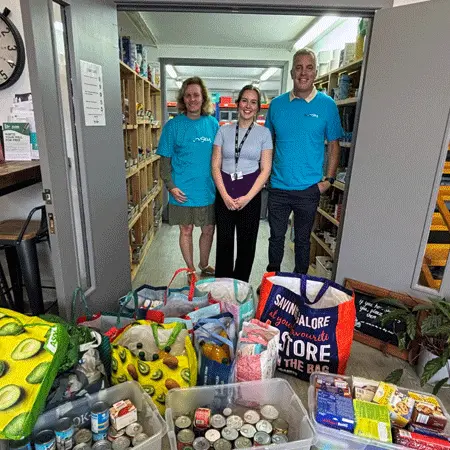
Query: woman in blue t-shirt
x=241, y=165
x=185, y=148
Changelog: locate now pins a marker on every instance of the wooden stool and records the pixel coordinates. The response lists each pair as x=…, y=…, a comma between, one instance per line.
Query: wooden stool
x=19, y=239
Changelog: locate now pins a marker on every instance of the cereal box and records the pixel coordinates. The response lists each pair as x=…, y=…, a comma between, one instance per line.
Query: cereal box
x=372, y=421
x=335, y=411
x=427, y=411
x=364, y=389
x=419, y=441
x=384, y=393
x=401, y=409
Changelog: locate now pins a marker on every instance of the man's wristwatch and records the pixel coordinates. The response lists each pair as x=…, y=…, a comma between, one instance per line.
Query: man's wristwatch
x=330, y=180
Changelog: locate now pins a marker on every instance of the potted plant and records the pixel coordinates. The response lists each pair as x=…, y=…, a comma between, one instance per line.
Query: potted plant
x=429, y=326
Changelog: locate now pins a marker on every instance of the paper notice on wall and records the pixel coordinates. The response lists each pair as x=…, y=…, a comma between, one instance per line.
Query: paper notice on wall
x=93, y=98
x=16, y=137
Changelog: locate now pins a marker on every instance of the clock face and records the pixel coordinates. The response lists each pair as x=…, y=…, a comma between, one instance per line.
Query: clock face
x=12, y=55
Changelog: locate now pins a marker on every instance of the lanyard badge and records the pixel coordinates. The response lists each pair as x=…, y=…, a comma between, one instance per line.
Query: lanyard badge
x=237, y=175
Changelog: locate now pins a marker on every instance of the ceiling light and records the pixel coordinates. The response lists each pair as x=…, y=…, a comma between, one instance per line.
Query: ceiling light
x=268, y=73
x=178, y=83
x=315, y=31
x=171, y=71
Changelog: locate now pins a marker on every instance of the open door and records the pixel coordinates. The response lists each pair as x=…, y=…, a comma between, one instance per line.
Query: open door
x=400, y=149
x=72, y=50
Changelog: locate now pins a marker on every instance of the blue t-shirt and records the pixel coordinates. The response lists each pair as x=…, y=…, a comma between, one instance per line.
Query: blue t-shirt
x=189, y=142
x=299, y=130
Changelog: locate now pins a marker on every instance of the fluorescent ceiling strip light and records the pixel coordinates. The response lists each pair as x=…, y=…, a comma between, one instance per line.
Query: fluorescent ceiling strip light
x=268, y=73
x=171, y=71
x=315, y=31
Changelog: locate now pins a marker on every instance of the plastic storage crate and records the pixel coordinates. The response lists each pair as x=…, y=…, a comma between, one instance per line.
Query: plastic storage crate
x=332, y=439
x=251, y=394
x=148, y=415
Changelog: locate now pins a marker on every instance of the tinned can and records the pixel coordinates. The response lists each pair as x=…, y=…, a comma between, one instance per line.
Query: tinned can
x=113, y=434
x=222, y=444
x=234, y=422
x=185, y=439
x=201, y=443
x=261, y=438
x=230, y=434
x=248, y=430
x=139, y=438
x=121, y=443
x=102, y=436
x=218, y=421
x=83, y=436
x=212, y=435
x=242, y=442
x=133, y=429
x=279, y=439
x=264, y=425
x=280, y=426
x=99, y=417
x=251, y=416
x=45, y=440
x=227, y=412
x=269, y=412
x=64, y=431
x=82, y=446
x=23, y=444
x=181, y=423
x=102, y=445
x=202, y=417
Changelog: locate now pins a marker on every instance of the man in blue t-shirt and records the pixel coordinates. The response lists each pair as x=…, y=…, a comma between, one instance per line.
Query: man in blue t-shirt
x=300, y=121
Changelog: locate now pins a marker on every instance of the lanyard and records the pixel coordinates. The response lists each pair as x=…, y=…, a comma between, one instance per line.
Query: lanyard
x=237, y=146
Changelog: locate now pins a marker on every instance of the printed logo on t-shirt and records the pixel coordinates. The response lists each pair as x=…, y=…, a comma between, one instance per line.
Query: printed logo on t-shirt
x=202, y=139
x=316, y=116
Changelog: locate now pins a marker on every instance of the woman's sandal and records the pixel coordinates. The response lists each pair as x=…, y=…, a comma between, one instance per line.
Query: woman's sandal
x=208, y=270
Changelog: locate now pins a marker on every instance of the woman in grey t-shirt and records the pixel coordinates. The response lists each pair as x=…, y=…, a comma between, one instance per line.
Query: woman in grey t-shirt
x=241, y=165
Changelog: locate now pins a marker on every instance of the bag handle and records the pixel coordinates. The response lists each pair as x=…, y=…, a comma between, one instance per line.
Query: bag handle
x=320, y=294
x=173, y=336
x=130, y=296
x=79, y=293
x=191, y=286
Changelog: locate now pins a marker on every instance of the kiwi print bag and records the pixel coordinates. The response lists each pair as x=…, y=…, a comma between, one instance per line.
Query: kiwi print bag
x=158, y=356
x=31, y=351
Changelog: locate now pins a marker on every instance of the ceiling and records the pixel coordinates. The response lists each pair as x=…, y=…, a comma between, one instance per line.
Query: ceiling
x=226, y=30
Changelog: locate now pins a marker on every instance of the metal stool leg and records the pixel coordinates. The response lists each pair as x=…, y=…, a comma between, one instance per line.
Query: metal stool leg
x=29, y=265
x=15, y=277
x=5, y=294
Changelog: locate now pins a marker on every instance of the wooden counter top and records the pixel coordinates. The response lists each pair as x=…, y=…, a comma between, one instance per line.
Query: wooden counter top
x=15, y=175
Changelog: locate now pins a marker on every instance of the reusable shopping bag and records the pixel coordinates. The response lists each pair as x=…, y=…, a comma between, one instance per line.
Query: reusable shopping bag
x=315, y=317
x=31, y=350
x=158, y=356
x=256, y=352
x=173, y=302
x=234, y=296
x=214, y=339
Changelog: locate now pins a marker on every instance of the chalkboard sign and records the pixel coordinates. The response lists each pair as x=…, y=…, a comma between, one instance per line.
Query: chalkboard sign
x=368, y=328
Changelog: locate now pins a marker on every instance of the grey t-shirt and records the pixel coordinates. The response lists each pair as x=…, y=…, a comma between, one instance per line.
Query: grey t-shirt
x=258, y=139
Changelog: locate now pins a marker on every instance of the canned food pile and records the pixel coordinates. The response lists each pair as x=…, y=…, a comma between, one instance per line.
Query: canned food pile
x=111, y=428
x=231, y=428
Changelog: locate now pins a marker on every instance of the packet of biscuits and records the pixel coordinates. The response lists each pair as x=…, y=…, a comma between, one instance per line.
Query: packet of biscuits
x=401, y=408
x=333, y=384
x=427, y=411
x=364, y=389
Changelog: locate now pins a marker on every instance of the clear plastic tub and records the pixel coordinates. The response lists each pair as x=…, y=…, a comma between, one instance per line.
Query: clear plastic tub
x=331, y=439
x=251, y=394
x=148, y=415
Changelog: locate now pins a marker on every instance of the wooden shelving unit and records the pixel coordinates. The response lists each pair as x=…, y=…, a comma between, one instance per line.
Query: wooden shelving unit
x=141, y=106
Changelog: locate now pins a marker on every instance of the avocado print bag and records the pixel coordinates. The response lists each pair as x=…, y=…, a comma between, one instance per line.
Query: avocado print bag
x=31, y=351
x=158, y=356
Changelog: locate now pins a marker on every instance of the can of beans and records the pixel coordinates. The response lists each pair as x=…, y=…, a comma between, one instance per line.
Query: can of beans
x=64, y=431
x=181, y=423
x=264, y=425
x=248, y=430
x=234, y=422
x=45, y=440
x=99, y=417
x=113, y=434
x=133, y=430
x=218, y=421
x=279, y=439
x=202, y=417
x=227, y=412
x=222, y=444
x=212, y=435
x=102, y=445
x=280, y=426
x=260, y=439
x=185, y=439
x=201, y=443
x=251, y=416
x=139, y=438
x=242, y=442
x=121, y=443
x=269, y=412
x=230, y=434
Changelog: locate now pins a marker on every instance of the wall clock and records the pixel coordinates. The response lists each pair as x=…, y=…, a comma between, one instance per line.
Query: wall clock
x=12, y=51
